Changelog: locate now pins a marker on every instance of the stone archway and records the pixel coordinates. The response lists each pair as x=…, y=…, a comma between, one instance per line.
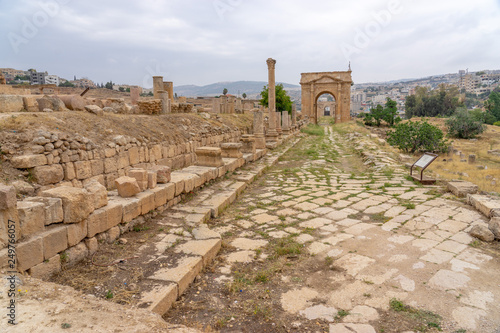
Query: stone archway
x=337, y=84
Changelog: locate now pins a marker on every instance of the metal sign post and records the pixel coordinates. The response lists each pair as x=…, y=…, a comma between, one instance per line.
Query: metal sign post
x=423, y=162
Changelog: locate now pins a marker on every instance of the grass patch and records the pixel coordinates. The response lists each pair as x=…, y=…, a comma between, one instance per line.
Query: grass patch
x=423, y=319
x=313, y=129
x=286, y=247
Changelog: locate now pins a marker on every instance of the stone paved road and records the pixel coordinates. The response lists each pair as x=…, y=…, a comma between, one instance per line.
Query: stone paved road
x=380, y=236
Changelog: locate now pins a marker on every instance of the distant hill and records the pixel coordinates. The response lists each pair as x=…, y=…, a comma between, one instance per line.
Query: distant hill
x=251, y=88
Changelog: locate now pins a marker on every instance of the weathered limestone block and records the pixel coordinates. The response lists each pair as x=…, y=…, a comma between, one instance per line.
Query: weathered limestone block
x=123, y=160
x=114, y=214
x=183, y=274
x=461, y=189
x=494, y=226
x=76, y=254
x=127, y=186
x=28, y=161
x=146, y=201
x=162, y=173
x=77, y=202
x=110, y=164
x=29, y=253
x=7, y=197
x=47, y=268
x=209, y=156
x=94, y=109
x=161, y=297
x=484, y=204
x=98, y=192
x=53, y=209
x=69, y=171
x=141, y=176
x=11, y=103
x=113, y=234
x=31, y=218
x=48, y=174
x=77, y=232
x=152, y=179
x=231, y=150
x=133, y=154
x=160, y=195
x=131, y=208
x=483, y=233
x=248, y=144
x=73, y=102
x=55, y=240
x=155, y=153
x=96, y=222
x=97, y=167
x=83, y=169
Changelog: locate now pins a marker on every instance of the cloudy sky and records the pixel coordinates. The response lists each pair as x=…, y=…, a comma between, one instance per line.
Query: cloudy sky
x=206, y=41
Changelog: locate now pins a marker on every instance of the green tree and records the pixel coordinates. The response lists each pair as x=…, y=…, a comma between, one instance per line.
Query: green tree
x=411, y=137
x=67, y=84
x=439, y=102
x=121, y=89
x=377, y=114
x=244, y=95
x=283, y=101
x=493, y=104
x=224, y=91
x=390, y=111
x=463, y=126
x=109, y=85
x=127, y=90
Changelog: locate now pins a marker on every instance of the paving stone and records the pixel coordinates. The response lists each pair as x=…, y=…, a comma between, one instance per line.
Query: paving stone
x=335, y=253
x=317, y=248
x=287, y=212
x=377, y=209
x=348, y=222
x=329, y=228
x=437, y=256
x=306, y=206
x=320, y=312
x=337, y=215
x=451, y=246
x=248, y=244
x=299, y=193
x=424, y=244
x=452, y=226
x=478, y=299
x=304, y=238
x=160, y=298
x=324, y=210
x=354, y=263
x=343, y=298
x=460, y=266
x=298, y=299
x=183, y=274
x=398, y=258
x=359, y=228
x=278, y=234
x=264, y=218
x=445, y=280
x=406, y=283
x=467, y=317
x=394, y=211
x=474, y=256
x=361, y=314
x=462, y=237
x=400, y=239
x=334, y=240
x=207, y=248
x=315, y=223
x=241, y=256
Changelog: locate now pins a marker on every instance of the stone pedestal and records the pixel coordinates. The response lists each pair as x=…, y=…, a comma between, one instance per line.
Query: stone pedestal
x=284, y=120
x=258, y=129
x=165, y=102
x=248, y=144
x=209, y=156
x=279, y=129
x=231, y=150
x=157, y=86
x=135, y=93
x=168, y=86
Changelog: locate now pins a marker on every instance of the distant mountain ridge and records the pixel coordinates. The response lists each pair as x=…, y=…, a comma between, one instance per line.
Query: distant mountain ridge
x=251, y=88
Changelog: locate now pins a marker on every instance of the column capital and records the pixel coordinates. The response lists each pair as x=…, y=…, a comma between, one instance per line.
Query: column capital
x=271, y=63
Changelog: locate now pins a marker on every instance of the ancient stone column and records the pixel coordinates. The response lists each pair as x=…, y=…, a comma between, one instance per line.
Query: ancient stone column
x=165, y=102
x=258, y=130
x=284, y=121
x=223, y=102
x=135, y=93
x=294, y=116
x=272, y=134
x=157, y=86
x=168, y=86
x=278, y=124
x=216, y=105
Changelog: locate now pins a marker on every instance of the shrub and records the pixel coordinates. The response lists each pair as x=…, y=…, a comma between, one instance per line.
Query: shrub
x=411, y=137
x=462, y=125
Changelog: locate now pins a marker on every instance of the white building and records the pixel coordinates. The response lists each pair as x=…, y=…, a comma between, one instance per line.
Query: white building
x=52, y=79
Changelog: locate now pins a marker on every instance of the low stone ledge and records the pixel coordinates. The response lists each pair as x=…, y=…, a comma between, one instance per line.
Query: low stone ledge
x=209, y=156
x=231, y=150
x=462, y=188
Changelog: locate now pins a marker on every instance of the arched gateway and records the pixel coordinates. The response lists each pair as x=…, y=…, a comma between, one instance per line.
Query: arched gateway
x=337, y=84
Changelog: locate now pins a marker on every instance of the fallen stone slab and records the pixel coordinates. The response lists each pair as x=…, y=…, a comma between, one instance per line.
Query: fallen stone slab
x=127, y=186
x=462, y=189
x=484, y=204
